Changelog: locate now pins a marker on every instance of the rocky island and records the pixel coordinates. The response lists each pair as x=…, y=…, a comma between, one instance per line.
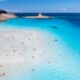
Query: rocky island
x=4, y=15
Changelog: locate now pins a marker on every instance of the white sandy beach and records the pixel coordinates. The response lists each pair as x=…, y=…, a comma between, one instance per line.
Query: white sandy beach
x=20, y=48
x=26, y=51
x=39, y=16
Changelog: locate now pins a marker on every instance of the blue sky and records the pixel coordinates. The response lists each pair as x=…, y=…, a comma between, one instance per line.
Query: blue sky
x=40, y=5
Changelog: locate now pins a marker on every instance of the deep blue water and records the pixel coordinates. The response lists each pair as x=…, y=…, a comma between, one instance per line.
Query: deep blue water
x=66, y=28
x=62, y=15
x=74, y=18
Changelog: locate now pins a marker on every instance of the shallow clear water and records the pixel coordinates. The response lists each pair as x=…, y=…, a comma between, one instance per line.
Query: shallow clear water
x=61, y=45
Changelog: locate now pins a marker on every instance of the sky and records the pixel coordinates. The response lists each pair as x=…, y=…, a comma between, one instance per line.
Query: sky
x=52, y=6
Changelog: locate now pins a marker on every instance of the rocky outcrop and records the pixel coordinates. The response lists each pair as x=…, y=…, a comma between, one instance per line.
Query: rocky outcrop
x=4, y=15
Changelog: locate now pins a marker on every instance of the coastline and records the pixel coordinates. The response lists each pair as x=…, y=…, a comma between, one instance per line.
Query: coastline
x=38, y=16
x=6, y=16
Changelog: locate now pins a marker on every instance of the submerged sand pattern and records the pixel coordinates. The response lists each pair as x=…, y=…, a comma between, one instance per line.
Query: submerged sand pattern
x=26, y=51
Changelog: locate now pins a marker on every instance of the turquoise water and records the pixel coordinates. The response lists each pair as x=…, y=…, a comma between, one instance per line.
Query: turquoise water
x=66, y=48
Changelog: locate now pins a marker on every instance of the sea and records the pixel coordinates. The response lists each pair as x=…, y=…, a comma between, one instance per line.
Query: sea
x=64, y=50
x=72, y=17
